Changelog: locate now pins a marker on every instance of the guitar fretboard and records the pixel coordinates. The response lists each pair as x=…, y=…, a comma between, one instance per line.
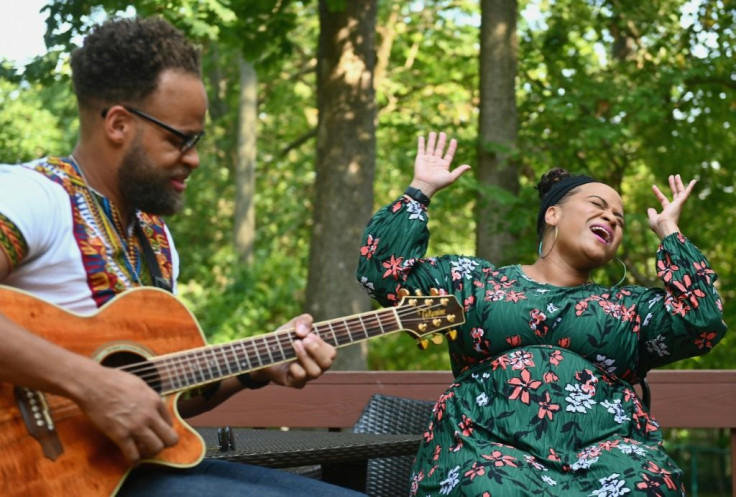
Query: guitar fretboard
x=186, y=370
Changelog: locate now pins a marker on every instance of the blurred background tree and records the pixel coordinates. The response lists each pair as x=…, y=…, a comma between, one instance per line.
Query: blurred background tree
x=625, y=91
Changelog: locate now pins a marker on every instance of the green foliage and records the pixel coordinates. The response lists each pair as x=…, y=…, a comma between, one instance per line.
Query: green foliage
x=32, y=122
x=627, y=91
x=229, y=297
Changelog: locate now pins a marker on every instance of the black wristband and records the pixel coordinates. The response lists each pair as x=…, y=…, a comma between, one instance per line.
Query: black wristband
x=246, y=380
x=417, y=195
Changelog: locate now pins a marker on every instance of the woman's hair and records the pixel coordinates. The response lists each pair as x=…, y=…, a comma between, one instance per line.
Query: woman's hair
x=555, y=185
x=549, y=179
x=122, y=59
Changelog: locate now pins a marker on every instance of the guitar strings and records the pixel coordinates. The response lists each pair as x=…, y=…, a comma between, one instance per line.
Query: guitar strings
x=150, y=370
x=201, y=366
x=193, y=361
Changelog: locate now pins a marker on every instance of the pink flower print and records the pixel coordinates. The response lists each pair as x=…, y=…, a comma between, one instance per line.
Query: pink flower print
x=466, y=426
x=667, y=476
x=553, y=455
x=665, y=269
x=468, y=303
x=609, y=307
x=536, y=322
x=550, y=377
x=588, y=382
x=690, y=294
x=523, y=385
x=394, y=297
x=498, y=459
x=371, y=244
x=649, y=485
x=513, y=296
x=676, y=306
x=437, y=452
x=501, y=362
x=581, y=307
x=705, y=340
x=441, y=406
x=628, y=313
x=547, y=408
x=702, y=270
x=476, y=470
x=479, y=344
x=458, y=445
x=494, y=295
x=393, y=267
x=556, y=357
x=520, y=359
x=608, y=444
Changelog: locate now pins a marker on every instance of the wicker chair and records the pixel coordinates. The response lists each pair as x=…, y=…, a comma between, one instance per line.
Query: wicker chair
x=389, y=477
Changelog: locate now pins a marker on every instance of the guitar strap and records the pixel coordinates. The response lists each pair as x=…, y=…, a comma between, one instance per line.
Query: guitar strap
x=155, y=270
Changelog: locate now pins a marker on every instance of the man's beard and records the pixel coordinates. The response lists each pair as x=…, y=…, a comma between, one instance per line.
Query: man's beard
x=145, y=186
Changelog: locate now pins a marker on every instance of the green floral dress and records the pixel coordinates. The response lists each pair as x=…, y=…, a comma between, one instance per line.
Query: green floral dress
x=542, y=402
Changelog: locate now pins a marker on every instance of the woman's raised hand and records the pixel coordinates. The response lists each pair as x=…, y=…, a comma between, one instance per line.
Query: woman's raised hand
x=432, y=165
x=665, y=223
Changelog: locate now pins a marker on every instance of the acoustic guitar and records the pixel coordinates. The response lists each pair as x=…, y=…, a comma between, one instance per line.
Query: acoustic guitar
x=48, y=448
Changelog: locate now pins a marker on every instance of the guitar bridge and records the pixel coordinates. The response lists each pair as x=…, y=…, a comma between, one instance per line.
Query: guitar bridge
x=35, y=411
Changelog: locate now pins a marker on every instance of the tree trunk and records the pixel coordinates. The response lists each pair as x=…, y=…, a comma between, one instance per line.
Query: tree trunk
x=245, y=167
x=387, y=34
x=345, y=164
x=497, y=127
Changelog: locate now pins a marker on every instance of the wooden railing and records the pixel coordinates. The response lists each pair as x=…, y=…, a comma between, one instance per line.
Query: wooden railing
x=679, y=399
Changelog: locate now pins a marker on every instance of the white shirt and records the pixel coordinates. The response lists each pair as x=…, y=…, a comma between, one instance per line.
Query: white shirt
x=52, y=269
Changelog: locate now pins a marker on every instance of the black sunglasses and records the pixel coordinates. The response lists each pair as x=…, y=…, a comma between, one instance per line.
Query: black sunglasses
x=189, y=141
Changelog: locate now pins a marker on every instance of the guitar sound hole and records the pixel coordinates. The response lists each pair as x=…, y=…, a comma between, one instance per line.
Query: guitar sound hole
x=136, y=364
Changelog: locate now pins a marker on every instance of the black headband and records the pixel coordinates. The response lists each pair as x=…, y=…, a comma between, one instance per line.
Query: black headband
x=556, y=193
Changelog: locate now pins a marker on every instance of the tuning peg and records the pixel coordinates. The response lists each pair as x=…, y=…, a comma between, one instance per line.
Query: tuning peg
x=452, y=335
x=434, y=292
x=418, y=292
x=423, y=344
x=451, y=318
x=403, y=292
x=437, y=339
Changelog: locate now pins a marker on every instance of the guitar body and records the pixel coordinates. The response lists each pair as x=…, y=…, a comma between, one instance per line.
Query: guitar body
x=48, y=448
x=140, y=323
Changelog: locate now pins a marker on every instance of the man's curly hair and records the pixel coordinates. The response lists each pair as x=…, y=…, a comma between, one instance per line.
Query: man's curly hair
x=122, y=59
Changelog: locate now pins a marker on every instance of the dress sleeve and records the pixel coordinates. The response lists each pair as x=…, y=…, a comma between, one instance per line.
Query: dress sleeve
x=392, y=257
x=684, y=319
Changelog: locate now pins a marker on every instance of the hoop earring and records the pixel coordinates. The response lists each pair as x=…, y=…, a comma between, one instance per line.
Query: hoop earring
x=626, y=271
x=539, y=249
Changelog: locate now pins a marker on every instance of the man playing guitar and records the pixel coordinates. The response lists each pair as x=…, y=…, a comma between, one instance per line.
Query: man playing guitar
x=77, y=231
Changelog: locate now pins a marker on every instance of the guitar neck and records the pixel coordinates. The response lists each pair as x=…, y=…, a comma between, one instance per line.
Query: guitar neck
x=192, y=368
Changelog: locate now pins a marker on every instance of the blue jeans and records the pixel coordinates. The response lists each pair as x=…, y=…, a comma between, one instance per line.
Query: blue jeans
x=223, y=479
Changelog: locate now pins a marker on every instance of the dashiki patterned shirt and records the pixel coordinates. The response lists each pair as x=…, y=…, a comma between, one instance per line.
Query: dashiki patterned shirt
x=66, y=243
x=542, y=402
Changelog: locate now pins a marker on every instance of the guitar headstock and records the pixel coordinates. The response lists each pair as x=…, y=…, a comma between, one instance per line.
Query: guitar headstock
x=428, y=317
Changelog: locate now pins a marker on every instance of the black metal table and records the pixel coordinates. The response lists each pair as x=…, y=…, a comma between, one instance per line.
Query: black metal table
x=342, y=456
